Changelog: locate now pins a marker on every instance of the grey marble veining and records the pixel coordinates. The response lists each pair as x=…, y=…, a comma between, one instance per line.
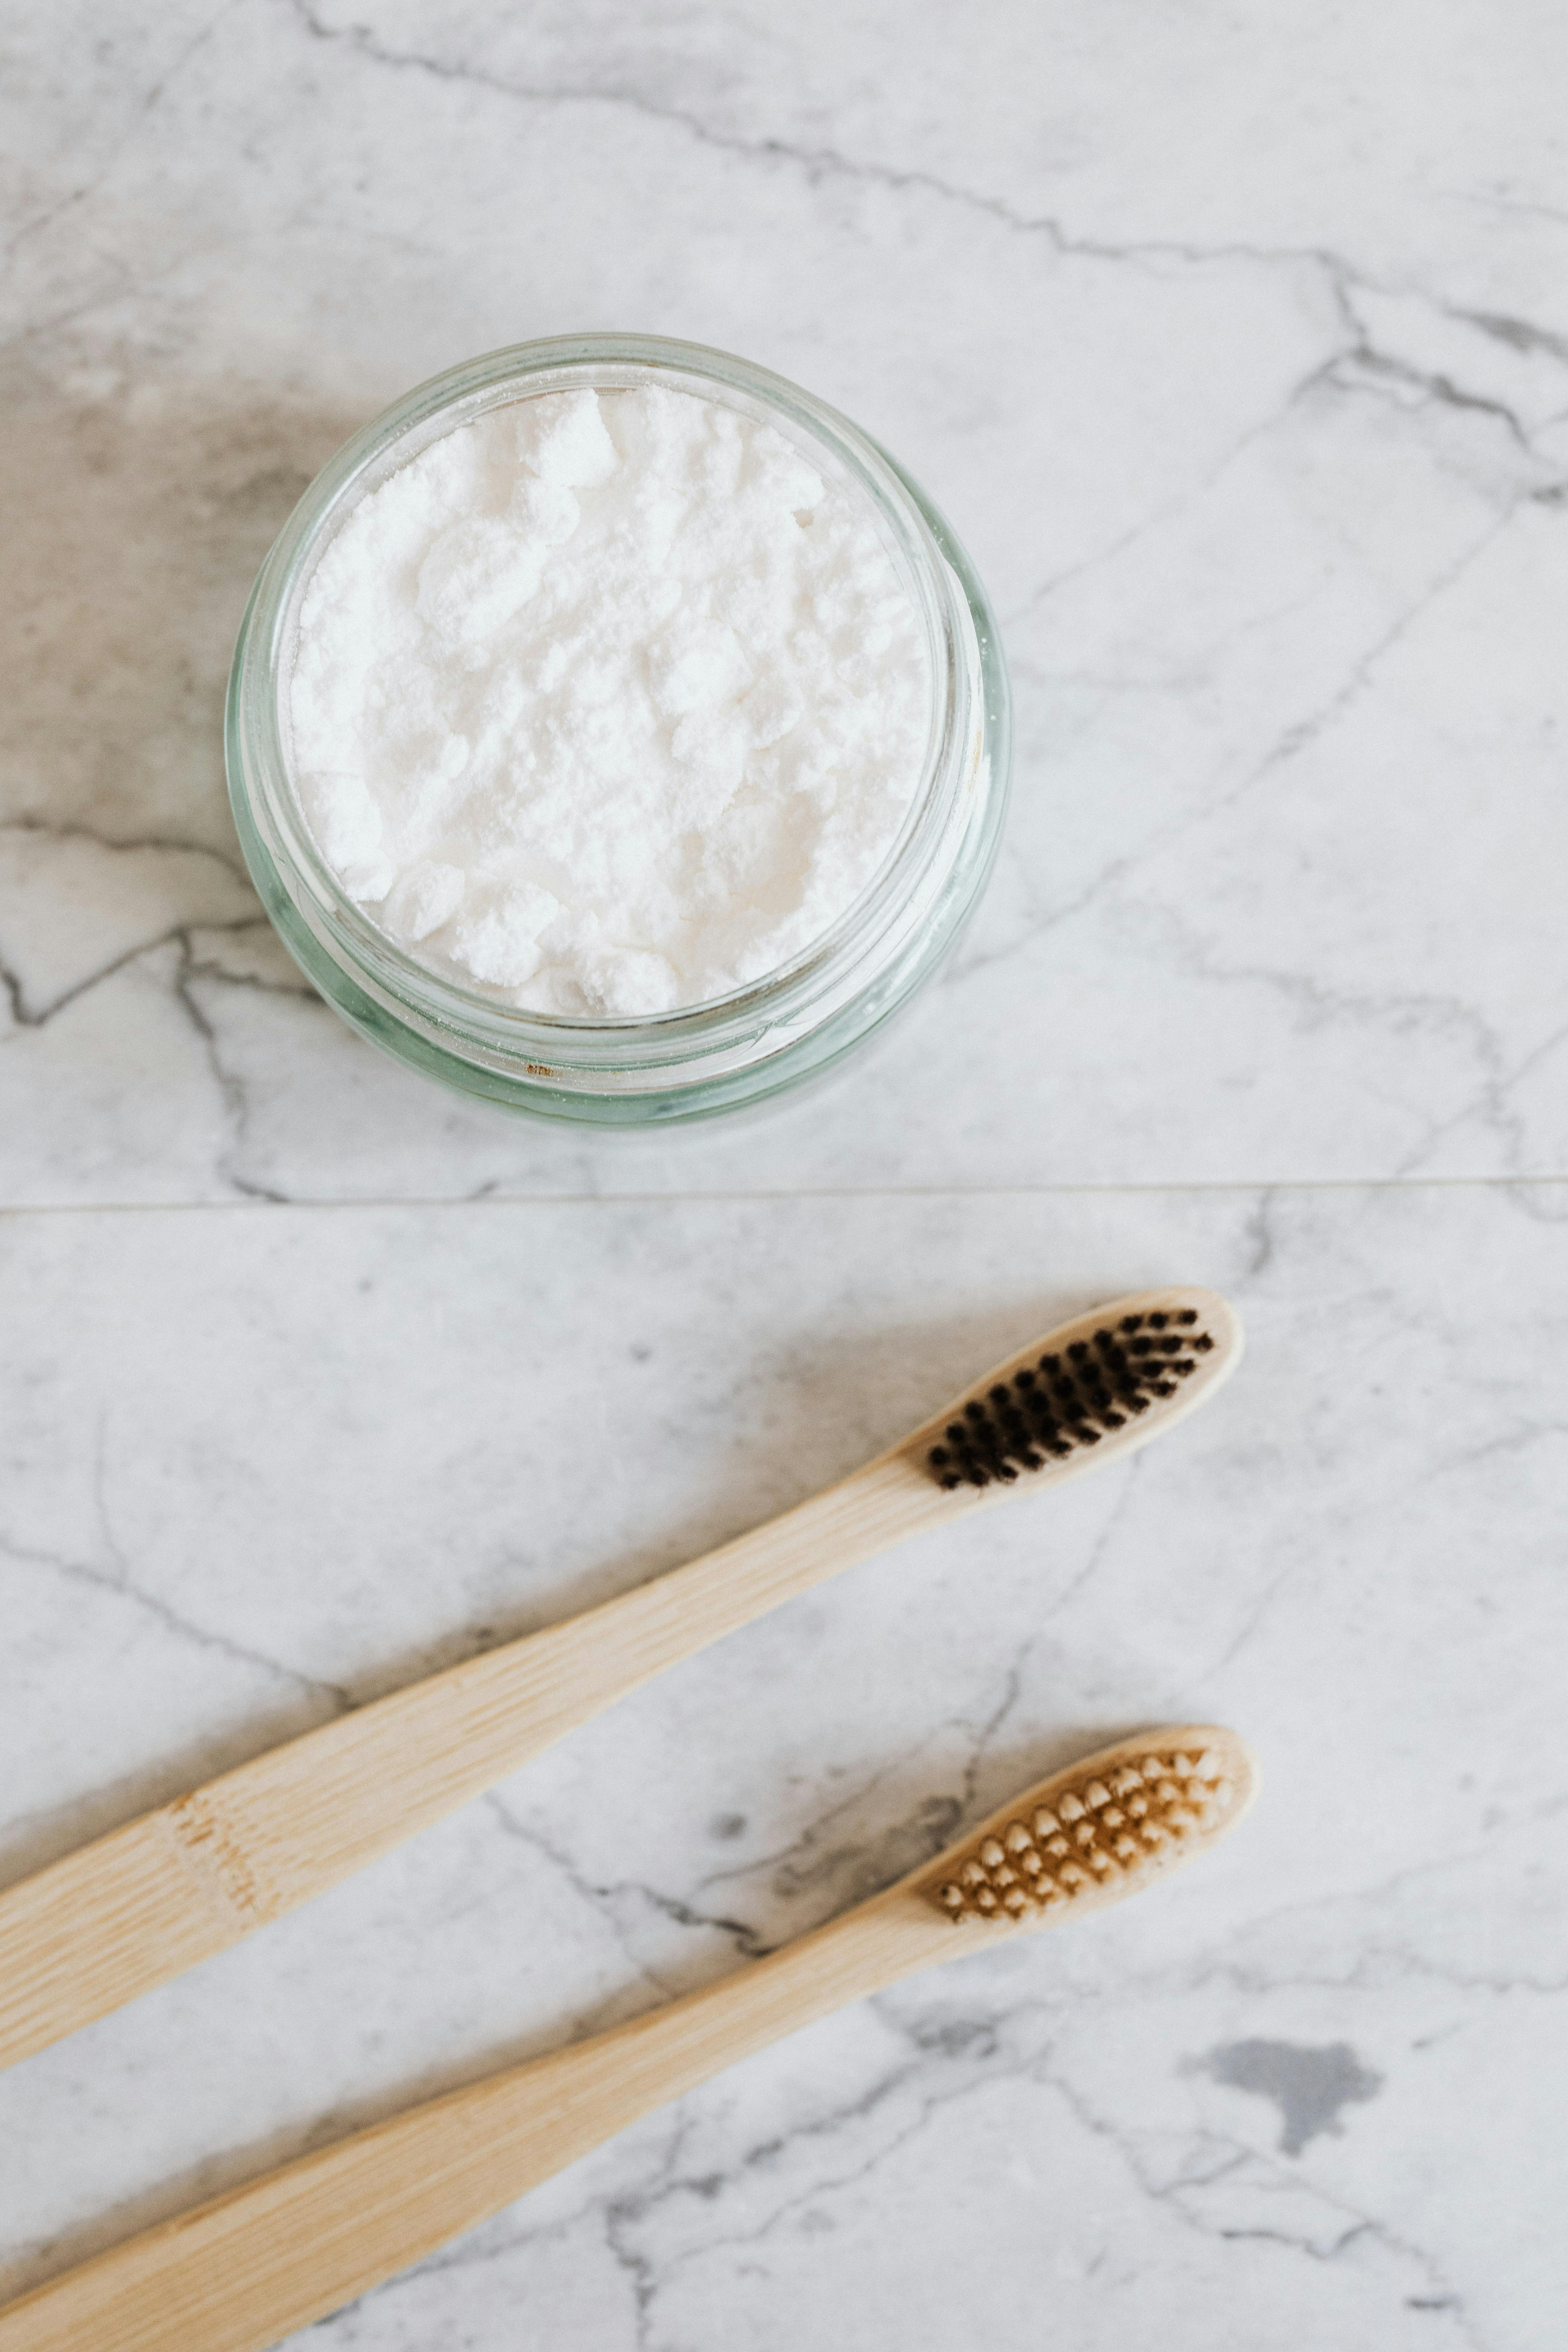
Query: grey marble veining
x=264, y=1462
x=1239, y=358
x=1235, y=346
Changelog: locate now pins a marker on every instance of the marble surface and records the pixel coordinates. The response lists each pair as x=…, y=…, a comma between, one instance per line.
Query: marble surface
x=1236, y=345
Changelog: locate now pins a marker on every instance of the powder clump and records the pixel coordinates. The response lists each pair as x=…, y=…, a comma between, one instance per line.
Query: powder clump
x=609, y=704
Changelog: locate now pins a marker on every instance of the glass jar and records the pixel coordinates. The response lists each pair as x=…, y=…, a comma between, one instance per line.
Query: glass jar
x=633, y=1071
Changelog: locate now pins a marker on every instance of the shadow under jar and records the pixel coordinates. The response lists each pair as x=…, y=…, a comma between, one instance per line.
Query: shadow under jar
x=701, y=1059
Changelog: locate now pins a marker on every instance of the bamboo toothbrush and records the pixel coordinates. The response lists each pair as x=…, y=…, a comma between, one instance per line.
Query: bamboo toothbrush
x=235, y=2275
x=143, y=1902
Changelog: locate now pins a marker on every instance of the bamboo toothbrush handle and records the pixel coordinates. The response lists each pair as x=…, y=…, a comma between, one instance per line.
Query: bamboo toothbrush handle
x=124, y=1915
x=245, y=2269
x=135, y=1908
x=238, y=2274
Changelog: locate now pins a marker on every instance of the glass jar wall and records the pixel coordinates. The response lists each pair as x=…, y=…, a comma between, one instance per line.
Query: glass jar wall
x=702, y=1059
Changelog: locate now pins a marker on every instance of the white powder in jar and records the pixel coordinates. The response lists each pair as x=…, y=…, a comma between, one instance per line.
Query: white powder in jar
x=608, y=703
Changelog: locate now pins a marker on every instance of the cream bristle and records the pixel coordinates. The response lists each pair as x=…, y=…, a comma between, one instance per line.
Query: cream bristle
x=1130, y=1820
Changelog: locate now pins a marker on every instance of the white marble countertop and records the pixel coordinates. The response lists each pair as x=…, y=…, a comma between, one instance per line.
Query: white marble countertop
x=1236, y=345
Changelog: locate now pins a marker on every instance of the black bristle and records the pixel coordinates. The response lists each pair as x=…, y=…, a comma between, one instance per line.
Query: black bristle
x=1077, y=1396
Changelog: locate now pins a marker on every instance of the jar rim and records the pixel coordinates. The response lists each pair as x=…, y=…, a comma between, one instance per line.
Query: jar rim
x=261, y=777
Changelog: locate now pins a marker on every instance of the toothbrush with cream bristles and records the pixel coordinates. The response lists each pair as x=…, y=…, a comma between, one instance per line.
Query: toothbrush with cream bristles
x=281, y=2252
x=140, y=1904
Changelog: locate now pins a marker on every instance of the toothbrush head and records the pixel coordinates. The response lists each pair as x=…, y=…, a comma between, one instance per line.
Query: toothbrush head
x=1098, y=1831
x=1092, y=1388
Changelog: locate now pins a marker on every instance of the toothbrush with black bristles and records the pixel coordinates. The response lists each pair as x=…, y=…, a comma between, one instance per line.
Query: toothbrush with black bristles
x=140, y=1904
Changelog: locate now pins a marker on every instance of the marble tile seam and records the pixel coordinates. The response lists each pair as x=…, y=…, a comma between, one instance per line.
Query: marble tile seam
x=742, y=1195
